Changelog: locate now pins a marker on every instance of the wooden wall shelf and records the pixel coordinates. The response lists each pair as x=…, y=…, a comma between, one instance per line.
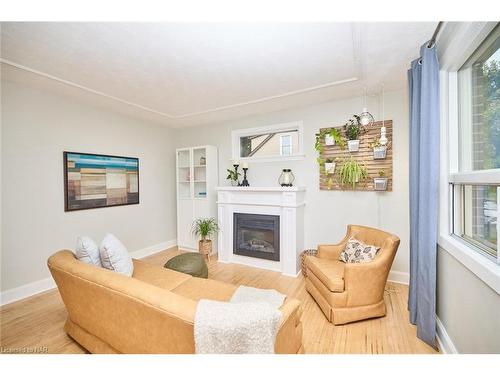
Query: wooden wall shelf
x=364, y=155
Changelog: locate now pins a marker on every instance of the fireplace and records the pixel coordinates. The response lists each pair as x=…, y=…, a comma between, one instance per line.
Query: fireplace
x=256, y=236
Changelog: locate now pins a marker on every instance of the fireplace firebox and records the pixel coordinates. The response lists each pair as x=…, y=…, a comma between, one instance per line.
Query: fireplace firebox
x=256, y=236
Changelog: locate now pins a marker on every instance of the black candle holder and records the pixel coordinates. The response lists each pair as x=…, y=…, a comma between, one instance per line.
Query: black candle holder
x=245, y=181
x=236, y=172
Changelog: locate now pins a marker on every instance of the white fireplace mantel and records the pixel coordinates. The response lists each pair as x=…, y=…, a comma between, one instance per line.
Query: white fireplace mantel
x=285, y=202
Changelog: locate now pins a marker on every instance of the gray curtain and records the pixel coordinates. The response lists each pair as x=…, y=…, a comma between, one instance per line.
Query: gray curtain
x=423, y=80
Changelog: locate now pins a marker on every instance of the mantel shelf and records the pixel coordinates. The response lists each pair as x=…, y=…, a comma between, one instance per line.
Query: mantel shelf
x=260, y=188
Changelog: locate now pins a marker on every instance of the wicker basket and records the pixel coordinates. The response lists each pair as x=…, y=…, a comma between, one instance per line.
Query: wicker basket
x=303, y=255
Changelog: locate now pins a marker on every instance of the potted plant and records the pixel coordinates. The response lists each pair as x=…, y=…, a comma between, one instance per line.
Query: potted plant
x=352, y=172
x=352, y=131
x=333, y=137
x=329, y=166
x=379, y=150
x=380, y=182
x=233, y=176
x=205, y=228
x=329, y=140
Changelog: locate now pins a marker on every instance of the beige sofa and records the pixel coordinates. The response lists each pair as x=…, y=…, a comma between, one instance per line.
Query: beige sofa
x=150, y=312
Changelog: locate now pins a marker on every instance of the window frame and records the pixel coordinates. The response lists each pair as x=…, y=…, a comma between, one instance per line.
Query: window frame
x=283, y=127
x=462, y=40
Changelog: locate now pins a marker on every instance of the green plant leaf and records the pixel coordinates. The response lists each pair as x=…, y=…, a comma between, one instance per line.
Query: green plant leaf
x=205, y=227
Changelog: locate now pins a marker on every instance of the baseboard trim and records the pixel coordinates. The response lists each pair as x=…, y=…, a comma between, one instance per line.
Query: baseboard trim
x=27, y=290
x=399, y=277
x=445, y=343
x=40, y=286
x=147, y=251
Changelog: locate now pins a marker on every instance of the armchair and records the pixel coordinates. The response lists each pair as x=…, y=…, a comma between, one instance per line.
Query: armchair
x=348, y=292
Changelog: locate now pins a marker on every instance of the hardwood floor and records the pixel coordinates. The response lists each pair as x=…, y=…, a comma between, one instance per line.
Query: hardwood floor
x=37, y=322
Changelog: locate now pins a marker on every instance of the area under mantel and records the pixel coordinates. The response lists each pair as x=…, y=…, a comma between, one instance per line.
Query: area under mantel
x=260, y=188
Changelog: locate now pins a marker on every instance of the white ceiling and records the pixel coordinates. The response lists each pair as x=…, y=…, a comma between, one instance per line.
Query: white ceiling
x=191, y=73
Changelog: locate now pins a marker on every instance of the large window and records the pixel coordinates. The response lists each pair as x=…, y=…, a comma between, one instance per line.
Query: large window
x=476, y=185
x=273, y=142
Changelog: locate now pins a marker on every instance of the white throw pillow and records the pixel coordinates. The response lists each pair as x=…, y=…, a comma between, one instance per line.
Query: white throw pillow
x=115, y=257
x=87, y=251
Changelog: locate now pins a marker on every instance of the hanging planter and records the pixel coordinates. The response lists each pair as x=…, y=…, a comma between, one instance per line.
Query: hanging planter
x=380, y=183
x=353, y=131
x=352, y=172
x=330, y=166
x=380, y=152
x=353, y=145
x=329, y=140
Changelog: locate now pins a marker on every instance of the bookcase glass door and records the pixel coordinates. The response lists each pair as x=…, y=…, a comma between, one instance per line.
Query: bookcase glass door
x=200, y=172
x=184, y=173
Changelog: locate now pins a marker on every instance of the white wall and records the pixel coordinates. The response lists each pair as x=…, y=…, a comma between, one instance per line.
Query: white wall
x=37, y=127
x=467, y=307
x=327, y=212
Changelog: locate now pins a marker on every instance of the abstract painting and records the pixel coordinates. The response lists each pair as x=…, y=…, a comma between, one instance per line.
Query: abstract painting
x=92, y=181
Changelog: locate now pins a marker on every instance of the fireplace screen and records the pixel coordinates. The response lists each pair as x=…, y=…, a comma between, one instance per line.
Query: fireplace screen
x=257, y=236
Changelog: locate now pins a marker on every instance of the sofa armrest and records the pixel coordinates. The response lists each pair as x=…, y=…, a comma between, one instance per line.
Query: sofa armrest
x=332, y=251
x=365, y=282
x=289, y=336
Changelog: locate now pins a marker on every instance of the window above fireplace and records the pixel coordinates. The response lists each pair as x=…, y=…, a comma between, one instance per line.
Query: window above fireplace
x=269, y=143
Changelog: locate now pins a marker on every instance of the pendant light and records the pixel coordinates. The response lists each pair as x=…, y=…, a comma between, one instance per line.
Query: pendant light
x=383, y=139
x=365, y=118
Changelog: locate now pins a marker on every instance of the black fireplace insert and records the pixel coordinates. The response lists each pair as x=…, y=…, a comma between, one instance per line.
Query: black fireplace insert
x=256, y=236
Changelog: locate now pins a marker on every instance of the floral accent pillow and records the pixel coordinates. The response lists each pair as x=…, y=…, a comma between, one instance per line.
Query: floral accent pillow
x=356, y=251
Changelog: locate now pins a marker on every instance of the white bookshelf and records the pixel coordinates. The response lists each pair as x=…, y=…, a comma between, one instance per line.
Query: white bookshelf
x=196, y=195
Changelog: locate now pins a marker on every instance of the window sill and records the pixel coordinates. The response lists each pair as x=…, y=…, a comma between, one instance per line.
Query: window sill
x=272, y=159
x=487, y=270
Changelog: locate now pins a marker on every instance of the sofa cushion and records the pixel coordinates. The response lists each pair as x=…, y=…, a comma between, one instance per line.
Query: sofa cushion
x=330, y=272
x=356, y=251
x=114, y=256
x=87, y=251
x=158, y=276
x=196, y=289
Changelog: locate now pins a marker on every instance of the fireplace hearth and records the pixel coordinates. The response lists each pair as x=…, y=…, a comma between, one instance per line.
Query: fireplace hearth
x=256, y=236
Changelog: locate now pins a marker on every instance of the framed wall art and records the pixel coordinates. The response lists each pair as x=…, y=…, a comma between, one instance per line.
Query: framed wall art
x=94, y=181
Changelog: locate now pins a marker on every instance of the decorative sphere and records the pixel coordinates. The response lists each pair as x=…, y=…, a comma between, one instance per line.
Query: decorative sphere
x=366, y=118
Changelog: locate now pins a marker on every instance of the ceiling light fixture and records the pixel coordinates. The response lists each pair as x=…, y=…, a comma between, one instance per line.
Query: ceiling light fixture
x=365, y=118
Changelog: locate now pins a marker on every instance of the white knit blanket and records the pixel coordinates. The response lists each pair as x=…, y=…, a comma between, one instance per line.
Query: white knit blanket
x=248, y=323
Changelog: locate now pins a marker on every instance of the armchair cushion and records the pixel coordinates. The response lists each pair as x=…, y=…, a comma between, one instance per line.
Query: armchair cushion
x=329, y=272
x=356, y=251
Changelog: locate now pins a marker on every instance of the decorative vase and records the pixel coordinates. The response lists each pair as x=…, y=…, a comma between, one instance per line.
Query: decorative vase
x=329, y=140
x=205, y=247
x=330, y=168
x=379, y=152
x=353, y=145
x=380, y=183
x=203, y=160
x=234, y=183
x=286, y=178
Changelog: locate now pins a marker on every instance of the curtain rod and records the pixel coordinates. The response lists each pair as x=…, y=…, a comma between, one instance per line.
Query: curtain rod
x=434, y=36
